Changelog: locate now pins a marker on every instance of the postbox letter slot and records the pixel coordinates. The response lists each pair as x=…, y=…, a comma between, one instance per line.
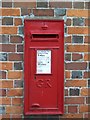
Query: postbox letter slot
x=38, y=36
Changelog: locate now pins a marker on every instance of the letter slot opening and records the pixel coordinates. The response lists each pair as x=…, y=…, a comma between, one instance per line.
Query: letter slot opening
x=43, y=37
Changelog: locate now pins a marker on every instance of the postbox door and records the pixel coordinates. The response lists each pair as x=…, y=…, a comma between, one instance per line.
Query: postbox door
x=43, y=76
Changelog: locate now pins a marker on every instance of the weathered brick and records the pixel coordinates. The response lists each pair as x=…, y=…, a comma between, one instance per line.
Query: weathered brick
x=74, y=100
x=77, y=48
x=74, y=92
x=89, y=83
x=68, y=57
x=88, y=100
x=15, y=92
x=67, y=74
x=76, y=83
x=4, y=38
x=7, y=84
x=72, y=109
x=2, y=110
x=25, y=4
x=20, y=48
x=59, y=12
x=17, y=21
x=78, y=22
x=7, y=21
x=2, y=75
x=76, y=56
x=87, y=5
x=6, y=65
x=18, y=83
x=5, y=101
x=78, y=30
x=10, y=11
x=43, y=12
x=76, y=66
x=68, y=39
x=77, y=39
x=79, y=5
x=7, y=48
x=15, y=57
x=42, y=3
x=6, y=4
x=83, y=108
x=14, y=110
x=76, y=74
x=3, y=56
x=84, y=91
x=5, y=116
x=2, y=92
x=21, y=30
x=8, y=30
x=59, y=4
x=14, y=75
x=17, y=101
x=18, y=66
x=16, y=39
x=87, y=57
x=77, y=13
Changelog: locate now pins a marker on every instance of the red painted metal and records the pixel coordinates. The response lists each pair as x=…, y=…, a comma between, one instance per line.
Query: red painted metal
x=44, y=92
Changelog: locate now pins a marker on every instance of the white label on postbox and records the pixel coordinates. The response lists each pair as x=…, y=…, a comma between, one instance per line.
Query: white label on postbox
x=43, y=62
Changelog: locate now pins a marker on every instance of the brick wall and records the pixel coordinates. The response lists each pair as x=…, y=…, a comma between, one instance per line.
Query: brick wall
x=77, y=66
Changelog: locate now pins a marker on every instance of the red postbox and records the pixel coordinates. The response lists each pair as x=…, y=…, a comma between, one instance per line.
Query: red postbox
x=44, y=66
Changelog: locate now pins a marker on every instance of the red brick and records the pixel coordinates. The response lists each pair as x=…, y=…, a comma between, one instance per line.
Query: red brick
x=18, y=116
x=6, y=65
x=85, y=91
x=15, y=75
x=14, y=110
x=7, y=84
x=17, y=21
x=7, y=48
x=76, y=66
x=67, y=74
x=76, y=83
x=87, y=22
x=15, y=92
x=15, y=57
x=68, y=22
x=43, y=12
x=72, y=109
x=83, y=108
x=74, y=100
x=5, y=101
x=87, y=74
x=77, y=13
x=66, y=92
x=68, y=39
x=8, y=30
x=72, y=116
x=17, y=101
x=87, y=57
x=87, y=39
x=77, y=48
x=76, y=56
x=78, y=30
x=10, y=11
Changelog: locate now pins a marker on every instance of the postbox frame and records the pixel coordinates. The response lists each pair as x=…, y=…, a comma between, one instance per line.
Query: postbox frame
x=60, y=95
